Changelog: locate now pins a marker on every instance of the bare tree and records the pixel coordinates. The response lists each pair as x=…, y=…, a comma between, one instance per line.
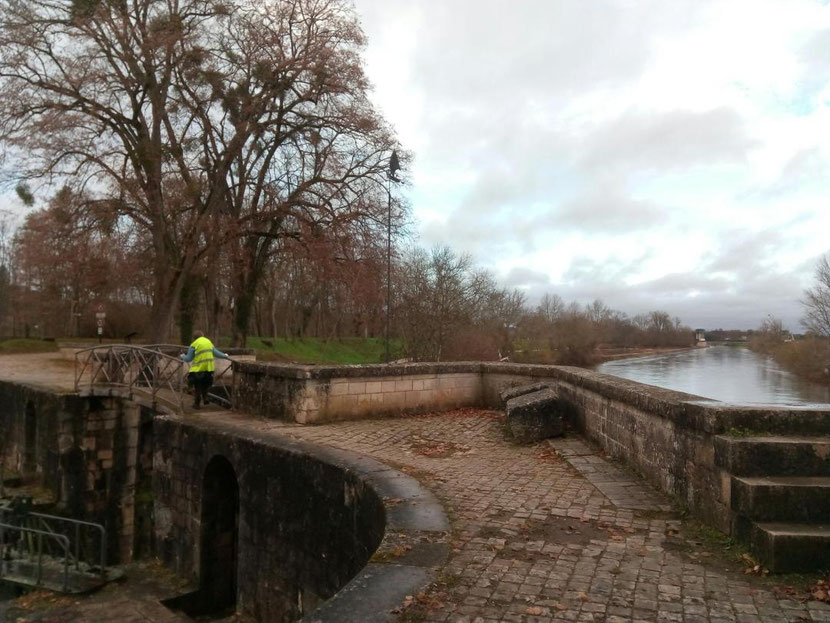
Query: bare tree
x=551, y=307
x=204, y=123
x=817, y=300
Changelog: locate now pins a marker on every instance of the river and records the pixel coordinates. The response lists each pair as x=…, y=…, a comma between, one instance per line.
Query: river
x=731, y=374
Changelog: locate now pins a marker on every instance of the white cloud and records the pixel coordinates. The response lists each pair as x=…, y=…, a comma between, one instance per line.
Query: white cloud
x=647, y=153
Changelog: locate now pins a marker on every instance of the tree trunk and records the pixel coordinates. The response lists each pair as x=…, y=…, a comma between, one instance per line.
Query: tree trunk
x=188, y=306
x=243, y=300
x=161, y=315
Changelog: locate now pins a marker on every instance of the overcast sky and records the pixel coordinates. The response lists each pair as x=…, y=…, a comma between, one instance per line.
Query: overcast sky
x=657, y=155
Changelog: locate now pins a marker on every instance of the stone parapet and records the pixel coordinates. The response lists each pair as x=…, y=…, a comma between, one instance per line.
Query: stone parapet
x=665, y=436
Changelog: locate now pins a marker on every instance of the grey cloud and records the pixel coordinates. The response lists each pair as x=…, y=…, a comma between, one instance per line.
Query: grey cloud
x=666, y=141
x=611, y=212
x=717, y=303
x=735, y=287
x=741, y=251
x=523, y=277
x=491, y=49
x=607, y=273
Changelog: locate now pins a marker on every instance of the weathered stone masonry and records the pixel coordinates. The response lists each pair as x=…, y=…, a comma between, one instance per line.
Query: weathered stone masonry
x=89, y=451
x=305, y=526
x=311, y=395
x=666, y=436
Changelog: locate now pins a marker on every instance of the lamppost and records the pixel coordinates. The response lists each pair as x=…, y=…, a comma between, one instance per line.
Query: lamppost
x=394, y=167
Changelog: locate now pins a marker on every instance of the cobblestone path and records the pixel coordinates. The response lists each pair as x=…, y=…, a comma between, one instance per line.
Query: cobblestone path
x=534, y=540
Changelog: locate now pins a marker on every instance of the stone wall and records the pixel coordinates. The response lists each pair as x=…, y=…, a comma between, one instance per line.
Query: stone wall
x=82, y=449
x=318, y=394
x=665, y=436
x=306, y=525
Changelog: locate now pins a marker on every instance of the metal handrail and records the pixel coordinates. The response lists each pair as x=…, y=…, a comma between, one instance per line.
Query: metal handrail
x=74, y=525
x=78, y=524
x=58, y=538
x=145, y=369
x=136, y=368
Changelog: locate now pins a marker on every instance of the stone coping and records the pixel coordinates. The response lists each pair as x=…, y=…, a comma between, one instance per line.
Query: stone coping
x=686, y=410
x=414, y=521
x=307, y=371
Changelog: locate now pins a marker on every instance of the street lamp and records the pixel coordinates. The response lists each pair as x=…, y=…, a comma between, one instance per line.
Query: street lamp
x=394, y=167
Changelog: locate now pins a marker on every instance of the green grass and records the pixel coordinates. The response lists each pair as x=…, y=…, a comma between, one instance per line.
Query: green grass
x=351, y=350
x=22, y=345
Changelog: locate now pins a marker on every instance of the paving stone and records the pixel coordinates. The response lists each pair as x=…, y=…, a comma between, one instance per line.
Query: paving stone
x=509, y=500
x=550, y=526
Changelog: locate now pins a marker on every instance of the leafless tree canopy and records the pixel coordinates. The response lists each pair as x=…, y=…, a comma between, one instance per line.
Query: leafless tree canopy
x=817, y=301
x=211, y=126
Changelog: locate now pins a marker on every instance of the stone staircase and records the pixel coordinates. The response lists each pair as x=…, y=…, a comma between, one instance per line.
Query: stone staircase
x=780, y=495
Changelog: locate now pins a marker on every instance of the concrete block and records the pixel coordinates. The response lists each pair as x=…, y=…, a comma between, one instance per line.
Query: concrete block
x=338, y=388
x=784, y=547
x=357, y=388
x=785, y=498
x=536, y=416
x=522, y=390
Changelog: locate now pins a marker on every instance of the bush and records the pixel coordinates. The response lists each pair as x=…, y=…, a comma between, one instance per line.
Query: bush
x=808, y=358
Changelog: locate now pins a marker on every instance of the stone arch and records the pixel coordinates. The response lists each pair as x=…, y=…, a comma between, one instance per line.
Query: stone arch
x=219, y=537
x=29, y=438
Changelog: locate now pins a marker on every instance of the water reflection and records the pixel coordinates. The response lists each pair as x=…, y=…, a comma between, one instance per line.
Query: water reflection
x=727, y=373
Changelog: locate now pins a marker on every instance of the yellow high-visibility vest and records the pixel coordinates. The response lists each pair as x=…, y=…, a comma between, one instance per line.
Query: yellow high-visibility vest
x=203, y=359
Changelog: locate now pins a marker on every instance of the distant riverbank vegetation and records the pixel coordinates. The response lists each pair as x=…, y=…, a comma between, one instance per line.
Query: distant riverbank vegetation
x=321, y=304
x=808, y=355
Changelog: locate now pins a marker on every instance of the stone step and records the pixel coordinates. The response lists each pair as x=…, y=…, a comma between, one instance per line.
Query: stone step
x=788, y=547
x=782, y=498
x=773, y=456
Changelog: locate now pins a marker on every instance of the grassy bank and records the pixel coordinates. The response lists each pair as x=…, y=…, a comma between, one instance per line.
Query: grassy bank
x=315, y=350
x=18, y=346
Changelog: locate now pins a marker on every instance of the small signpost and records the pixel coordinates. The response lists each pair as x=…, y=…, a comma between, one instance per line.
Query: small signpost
x=100, y=317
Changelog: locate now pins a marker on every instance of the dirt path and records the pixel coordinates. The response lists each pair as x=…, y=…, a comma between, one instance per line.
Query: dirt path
x=49, y=370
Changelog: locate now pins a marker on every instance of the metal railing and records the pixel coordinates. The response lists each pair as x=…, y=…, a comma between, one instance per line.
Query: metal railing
x=136, y=369
x=40, y=538
x=6, y=544
x=147, y=370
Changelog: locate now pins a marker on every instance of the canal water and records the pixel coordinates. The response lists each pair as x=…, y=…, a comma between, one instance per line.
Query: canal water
x=731, y=374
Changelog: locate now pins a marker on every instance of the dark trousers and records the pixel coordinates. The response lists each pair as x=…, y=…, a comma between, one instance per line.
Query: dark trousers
x=201, y=382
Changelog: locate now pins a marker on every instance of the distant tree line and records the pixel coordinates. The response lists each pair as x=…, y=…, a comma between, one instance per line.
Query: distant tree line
x=61, y=264
x=807, y=355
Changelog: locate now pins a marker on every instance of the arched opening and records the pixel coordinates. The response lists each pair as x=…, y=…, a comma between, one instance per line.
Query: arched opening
x=220, y=522
x=30, y=439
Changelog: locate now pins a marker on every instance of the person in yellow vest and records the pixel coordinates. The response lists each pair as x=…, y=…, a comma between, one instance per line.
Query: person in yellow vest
x=201, y=353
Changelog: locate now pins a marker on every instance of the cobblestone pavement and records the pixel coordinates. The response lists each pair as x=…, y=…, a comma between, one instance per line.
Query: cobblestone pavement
x=534, y=540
